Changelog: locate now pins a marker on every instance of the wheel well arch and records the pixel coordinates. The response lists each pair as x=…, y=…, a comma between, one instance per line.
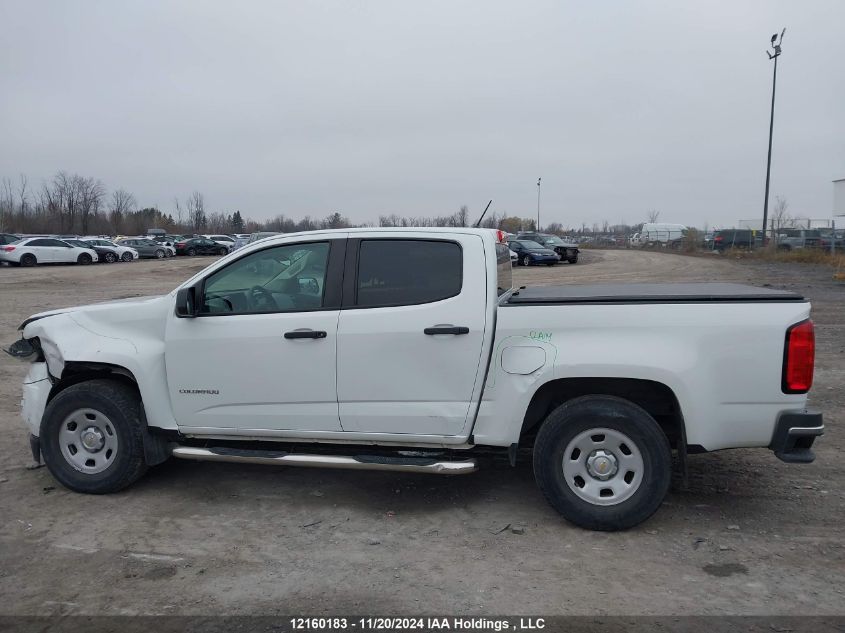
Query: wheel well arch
x=654, y=397
x=75, y=372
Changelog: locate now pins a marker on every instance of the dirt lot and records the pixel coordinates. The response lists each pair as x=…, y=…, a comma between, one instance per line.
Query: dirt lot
x=750, y=535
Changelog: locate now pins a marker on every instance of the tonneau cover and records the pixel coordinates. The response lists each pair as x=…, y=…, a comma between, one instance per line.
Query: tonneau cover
x=649, y=293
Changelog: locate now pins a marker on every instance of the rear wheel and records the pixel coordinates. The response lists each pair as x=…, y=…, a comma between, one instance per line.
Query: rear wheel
x=573, y=259
x=28, y=260
x=127, y=257
x=84, y=259
x=222, y=251
x=160, y=254
x=192, y=252
x=602, y=462
x=525, y=260
x=110, y=258
x=91, y=437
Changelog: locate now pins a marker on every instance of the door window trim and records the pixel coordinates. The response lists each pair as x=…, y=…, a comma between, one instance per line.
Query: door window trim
x=350, y=278
x=332, y=285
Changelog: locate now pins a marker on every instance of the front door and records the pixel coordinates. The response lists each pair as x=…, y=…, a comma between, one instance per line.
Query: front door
x=261, y=353
x=411, y=333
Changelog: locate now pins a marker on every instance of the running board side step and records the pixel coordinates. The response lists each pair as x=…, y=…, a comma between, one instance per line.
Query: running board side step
x=358, y=462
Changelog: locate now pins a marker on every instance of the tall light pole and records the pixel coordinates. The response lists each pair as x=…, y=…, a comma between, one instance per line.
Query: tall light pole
x=776, y=47
x=538, y=204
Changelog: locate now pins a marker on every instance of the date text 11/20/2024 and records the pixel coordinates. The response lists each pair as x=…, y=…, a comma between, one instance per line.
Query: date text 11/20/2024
x=417, y=624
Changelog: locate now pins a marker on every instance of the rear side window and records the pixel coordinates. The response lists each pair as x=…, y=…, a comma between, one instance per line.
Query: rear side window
x=407, y=272
x=504, y=269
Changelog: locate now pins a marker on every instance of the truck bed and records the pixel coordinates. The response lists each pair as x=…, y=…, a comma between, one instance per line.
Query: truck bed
x=649, y=293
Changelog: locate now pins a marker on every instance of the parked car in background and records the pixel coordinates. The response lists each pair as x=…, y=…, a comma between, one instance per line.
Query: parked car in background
x=566, y=250
x=45, y=250
x=8, y=238
x=790, y=239
x=531, y=253
x=261, y=235
x=661, y=234
x=124, y=253
x=224, y=240
x=200, y=246
x=105, y=254
x=838, y=237
x=145, y=248
x=241, y=240
x=724, y=239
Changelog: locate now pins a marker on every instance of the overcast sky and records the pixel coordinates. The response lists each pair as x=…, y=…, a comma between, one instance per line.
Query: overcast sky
x=419, y=107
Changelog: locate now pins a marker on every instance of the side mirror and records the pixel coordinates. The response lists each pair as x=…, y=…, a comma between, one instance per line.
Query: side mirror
x=186, y=303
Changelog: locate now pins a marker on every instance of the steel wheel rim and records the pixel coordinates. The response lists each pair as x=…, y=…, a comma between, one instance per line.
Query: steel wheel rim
x=88, y=441
x=603, y=466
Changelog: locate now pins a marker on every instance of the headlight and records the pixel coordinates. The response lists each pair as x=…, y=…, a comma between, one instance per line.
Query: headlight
x=25, y=349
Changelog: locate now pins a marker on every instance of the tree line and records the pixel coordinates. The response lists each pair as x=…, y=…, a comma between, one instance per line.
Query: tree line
x=70, y=204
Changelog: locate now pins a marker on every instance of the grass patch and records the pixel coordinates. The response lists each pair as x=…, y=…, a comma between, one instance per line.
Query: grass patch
x=815, y=256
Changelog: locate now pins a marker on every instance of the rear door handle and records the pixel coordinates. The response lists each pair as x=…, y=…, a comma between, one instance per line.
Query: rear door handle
x=306, y=334
x=446, y=329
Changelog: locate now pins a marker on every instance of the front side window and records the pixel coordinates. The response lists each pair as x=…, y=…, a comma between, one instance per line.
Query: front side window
x=407, y=272
x=280, y=279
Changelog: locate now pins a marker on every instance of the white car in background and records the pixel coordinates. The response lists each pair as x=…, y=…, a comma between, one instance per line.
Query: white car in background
x=125, y=253
x=224, y=240
x=45, y=250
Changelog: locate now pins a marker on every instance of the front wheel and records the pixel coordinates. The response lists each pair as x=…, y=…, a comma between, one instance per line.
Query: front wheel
x=192, y=252
x=525, y=260
x=602, y=462
x=160, y=254
x=110, y=258
x=127, y=257
x=84, y=259
x=223, y=251
x=91, y=437
x=573, y=259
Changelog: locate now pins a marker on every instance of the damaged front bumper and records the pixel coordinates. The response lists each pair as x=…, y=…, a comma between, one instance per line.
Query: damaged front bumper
x=36, y=390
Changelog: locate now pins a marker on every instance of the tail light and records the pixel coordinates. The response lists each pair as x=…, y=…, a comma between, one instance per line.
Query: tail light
x=500, y=236
x=180, y=244
x=799, y=355
x=718, y=238
x=8, y=249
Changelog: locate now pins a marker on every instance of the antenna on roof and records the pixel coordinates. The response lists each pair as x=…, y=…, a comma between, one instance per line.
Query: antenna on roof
x=477, y=224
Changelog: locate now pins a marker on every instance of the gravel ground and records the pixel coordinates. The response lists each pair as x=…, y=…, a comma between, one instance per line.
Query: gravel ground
x=750, y=535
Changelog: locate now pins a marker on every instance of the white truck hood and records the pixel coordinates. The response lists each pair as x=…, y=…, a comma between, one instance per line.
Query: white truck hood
x=125, y=304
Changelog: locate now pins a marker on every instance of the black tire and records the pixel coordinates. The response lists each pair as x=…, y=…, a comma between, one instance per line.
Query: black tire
x=573, y=259
x=110, y=258
x=84, y=259
x=572, y=419
x=127, y=257
x=551, y=263
x=122, y=406
x=160, y=254
x=28, y=260
x=223, y=251
x=525, y=260
x=192, y=252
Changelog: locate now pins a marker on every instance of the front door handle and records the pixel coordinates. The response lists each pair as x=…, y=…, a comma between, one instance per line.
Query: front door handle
x=446, y=329
x=306, y=334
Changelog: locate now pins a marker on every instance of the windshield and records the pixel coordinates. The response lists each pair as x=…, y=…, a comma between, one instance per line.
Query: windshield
x=531, y=246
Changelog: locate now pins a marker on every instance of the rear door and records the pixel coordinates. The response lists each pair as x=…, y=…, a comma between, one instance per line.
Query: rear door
x=411, y=333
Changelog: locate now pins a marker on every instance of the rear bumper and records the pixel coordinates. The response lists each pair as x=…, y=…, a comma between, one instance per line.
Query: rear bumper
x=795, y=432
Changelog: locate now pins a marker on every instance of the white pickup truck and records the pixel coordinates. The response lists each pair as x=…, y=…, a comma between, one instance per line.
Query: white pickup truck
x=408, y=350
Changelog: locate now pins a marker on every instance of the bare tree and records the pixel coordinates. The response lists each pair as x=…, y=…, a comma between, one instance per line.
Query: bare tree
x=91, y=194
x=653, y=216
x=780, y=217
x=196, y=211
x=122, y=203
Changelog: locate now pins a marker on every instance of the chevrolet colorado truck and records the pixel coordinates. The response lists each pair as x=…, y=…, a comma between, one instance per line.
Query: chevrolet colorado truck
x=409, y=350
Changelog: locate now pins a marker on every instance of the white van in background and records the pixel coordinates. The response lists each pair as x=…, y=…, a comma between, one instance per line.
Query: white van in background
x=660, y=233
